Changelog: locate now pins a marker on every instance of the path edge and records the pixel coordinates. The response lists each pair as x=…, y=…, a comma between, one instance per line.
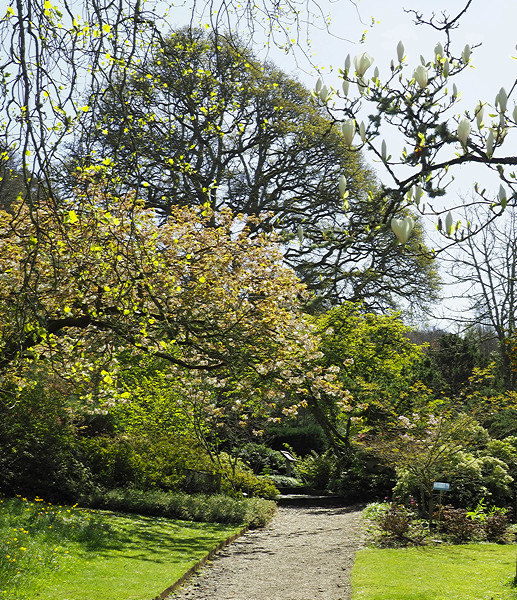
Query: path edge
x=200, y=564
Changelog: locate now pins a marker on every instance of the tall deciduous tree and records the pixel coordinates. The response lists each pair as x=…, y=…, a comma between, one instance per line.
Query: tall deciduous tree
x=205, y=121
x=485, y=266
x=375, y=361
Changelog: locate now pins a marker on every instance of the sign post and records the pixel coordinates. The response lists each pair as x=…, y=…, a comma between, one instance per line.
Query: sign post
x=441, y=487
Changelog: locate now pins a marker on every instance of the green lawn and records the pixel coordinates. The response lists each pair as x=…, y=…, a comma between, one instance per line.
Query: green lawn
x=466, y=572
x=67, y=553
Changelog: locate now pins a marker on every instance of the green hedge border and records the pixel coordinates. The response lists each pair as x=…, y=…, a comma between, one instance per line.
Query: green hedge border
x=199, y=565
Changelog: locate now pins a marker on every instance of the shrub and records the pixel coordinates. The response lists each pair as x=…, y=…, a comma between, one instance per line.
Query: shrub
x=316, y=469
x=261, y=459
x=395, y=522
x=457, y=525
x=496, y=526
x=282, y=481
x=394, y=525
x=242, y=482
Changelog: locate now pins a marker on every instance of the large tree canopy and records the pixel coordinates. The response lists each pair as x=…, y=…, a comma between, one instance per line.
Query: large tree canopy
x=82, y=284
x=203, y=121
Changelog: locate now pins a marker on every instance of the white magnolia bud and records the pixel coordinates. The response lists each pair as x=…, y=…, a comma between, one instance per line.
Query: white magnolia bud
x=418, y=192
x=464, y=132
x=362, y=131
x=318, y=86
x=446, y=67
x=348, y=62
x=501, y=100
x=502, y=193
x=514, y=114
x=465, y=55
x=384, y=151
x=438, y=51
x=400, y=51
x=449, y=223
x=342, y=185
x=490, y=141
x=402, y=228
x=348, y=129
x=454, y=91
x=362, y=63
x=479, y=112
x=376, y=73
x=421, y=76
x=346, y=86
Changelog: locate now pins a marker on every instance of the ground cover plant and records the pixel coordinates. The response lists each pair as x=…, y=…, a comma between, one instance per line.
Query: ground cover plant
x=58, y=552
x=467, y=572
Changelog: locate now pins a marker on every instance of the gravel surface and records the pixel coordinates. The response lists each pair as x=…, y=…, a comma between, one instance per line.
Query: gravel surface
x=304, y=554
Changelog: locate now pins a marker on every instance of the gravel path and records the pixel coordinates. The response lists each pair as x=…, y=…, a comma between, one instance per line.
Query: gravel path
x=304, y=554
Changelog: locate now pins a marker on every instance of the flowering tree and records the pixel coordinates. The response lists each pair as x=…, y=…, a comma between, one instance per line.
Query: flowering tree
x=419, y=102
x=424, y=446
x=81, y=284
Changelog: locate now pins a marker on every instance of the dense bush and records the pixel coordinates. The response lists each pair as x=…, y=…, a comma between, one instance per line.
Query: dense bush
x=243, y=482
x=458, y=527
x=261, y=459
x=39, y=452
x=282, y=481
x=394, y=525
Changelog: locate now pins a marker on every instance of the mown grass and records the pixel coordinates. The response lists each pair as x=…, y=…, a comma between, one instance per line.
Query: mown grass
x=465, y=572
x=60, y=553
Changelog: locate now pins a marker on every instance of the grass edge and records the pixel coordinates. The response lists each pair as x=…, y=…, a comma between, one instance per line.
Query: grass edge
x=200, y=564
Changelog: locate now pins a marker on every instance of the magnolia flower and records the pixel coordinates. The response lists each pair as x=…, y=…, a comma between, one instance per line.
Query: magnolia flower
x=465, y=55
x=502, y=193
x=362, y=63
x=342, y=185
x=400, y=51
x=446, y=67
x=418, y=192
x=464, y=132
x=346, y=85
x=376, y=73
x=348, y=129
x=402, y=228
x=421, y=76
x=318, y=86
x=490, y=141
x=479, y=112
x=324, y=93
x=438, y=51
x=454, y=91
x=501, y=100
x=449, y=223
x=514, y=114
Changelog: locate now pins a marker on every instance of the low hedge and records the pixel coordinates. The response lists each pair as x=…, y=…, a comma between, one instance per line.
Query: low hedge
x=217, y=508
